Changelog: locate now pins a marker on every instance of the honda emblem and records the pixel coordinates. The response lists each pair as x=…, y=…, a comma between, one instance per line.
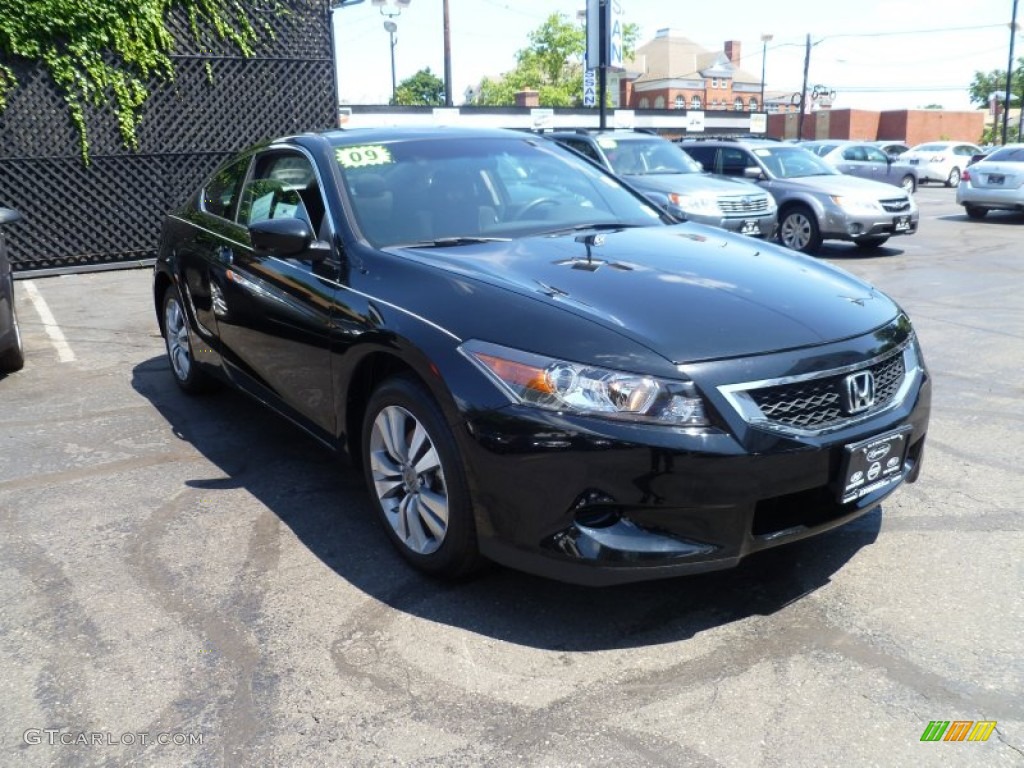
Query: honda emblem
x=859, y=391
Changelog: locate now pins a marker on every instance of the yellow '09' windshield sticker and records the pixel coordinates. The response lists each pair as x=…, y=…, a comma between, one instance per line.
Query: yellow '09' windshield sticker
x=362, y=156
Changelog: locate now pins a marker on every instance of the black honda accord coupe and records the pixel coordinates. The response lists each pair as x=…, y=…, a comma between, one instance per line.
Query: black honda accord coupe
x=533, y=365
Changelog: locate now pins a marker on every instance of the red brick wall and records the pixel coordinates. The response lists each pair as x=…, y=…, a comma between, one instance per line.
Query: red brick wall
x=914, y=126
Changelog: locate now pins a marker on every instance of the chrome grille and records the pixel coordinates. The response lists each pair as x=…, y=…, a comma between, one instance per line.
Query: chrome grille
x=815, y=403
x=896, y=205
x=746, y=205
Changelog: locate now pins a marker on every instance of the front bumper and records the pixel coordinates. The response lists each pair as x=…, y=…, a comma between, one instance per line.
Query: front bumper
x=755, y=226
x=841, y=225
x=595, y=503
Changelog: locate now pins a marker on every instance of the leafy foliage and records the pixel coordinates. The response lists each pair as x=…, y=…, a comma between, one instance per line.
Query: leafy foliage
x=107, y=50
x=986, y=84
x=552, y=64
x=422, y=89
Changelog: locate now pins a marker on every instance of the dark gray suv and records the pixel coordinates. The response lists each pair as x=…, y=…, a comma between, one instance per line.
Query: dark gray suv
x=816, y=202
x=656, y=167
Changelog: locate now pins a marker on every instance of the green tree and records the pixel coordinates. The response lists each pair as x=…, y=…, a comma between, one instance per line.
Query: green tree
x=986, y=84
x=422, y=89
x=106, y=51
x=552, y=64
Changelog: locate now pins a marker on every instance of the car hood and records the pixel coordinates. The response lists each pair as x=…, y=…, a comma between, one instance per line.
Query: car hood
x=687, y=292
x=690, y=183
x=842, y=184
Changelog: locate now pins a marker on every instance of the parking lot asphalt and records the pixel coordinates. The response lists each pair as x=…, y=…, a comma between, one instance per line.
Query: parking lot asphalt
x=195, y=582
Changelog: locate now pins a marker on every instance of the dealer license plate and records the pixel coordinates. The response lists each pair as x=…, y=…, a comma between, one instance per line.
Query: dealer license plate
x=873, y=465
x=750, y=227
x=901, y=224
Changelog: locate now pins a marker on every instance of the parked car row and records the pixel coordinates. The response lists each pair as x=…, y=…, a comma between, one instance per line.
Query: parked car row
x=816, y=202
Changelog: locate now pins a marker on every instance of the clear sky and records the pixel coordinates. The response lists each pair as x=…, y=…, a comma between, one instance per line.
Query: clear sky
x=876, y=54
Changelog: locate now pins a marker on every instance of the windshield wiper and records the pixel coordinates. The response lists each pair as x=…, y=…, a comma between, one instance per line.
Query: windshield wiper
x=449, y=242
x=601, y=225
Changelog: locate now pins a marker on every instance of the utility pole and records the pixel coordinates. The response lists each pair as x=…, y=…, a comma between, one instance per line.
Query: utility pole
x=1009, y=72
x=803, y=91
x=447, y=57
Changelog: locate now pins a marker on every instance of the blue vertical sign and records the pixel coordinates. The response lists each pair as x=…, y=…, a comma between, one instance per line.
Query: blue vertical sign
x=612, y=56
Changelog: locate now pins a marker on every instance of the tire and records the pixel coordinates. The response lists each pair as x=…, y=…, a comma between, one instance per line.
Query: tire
x=13, y=358
x=974, y=212
x=875, y=241
x=416, y=481
x=909, y=184
x=178, y=342
x=798, y=229
x=953, y=180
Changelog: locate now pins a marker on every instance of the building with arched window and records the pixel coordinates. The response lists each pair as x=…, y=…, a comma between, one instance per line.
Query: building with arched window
x=678, y=71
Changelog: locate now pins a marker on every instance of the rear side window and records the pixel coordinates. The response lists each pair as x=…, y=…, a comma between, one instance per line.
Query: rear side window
x=703, y=155
x=221, y=193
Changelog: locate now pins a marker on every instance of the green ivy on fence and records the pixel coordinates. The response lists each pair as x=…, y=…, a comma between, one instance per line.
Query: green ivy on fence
x=100, y=50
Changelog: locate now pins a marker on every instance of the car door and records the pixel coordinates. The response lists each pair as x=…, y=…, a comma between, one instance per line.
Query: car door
x=275, y=327
x=855, y=162
x=880, y=164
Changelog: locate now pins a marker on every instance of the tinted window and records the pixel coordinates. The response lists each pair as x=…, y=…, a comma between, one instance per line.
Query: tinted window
x=1007, y=154
x=584, y=147
x=703, y=155
x=283, y=186
x=735, y=161
x=221, y=192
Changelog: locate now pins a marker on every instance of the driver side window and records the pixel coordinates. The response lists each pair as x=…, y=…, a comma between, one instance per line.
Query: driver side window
x=283, y=185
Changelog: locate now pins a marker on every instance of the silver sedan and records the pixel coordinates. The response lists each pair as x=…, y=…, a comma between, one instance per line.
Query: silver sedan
x=867, y=161
x=995, y=183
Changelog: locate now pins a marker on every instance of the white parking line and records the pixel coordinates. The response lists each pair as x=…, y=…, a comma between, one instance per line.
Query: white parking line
x=64, y=353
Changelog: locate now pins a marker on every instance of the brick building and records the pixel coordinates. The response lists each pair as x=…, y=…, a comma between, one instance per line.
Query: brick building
x=673, y=72
x=913, y=126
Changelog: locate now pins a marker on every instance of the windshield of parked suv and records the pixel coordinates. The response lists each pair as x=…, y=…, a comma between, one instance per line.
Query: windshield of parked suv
x=640, y=157
x=793, y=162
x=457, y=190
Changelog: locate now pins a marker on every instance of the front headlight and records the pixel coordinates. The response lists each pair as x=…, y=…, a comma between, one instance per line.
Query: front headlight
x=704, y=204
x=560, y=385
x=857, y=205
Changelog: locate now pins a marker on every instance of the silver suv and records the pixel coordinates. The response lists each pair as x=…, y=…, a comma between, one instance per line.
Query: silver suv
x=658, y=169
x=815, y=201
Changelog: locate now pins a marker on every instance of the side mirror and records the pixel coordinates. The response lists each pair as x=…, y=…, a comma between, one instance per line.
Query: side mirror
x=753, y=172
x=286, y=238
x=9, y=216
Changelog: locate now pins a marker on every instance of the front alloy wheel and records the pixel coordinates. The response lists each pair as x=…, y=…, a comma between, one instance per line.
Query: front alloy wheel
x=799, y=230
x=179, y=346
x=417, y=482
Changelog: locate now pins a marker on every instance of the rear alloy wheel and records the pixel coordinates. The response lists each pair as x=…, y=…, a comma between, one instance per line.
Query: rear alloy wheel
x=416, y=479
x=871, y=242
x=13, y=358
x=179, y=347
x=798, y=230
x=953, y=180
x=909, y=184
x=974, y=212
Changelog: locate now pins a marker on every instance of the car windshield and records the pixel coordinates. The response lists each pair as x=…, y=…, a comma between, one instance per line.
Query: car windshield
x=457, y=190
x=820, y=149
x=793, y=162
x=640, y=157
x=1007, y=155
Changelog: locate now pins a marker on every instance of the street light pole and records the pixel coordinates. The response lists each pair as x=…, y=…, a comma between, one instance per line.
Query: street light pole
x=392, y=28
x=765, y=39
